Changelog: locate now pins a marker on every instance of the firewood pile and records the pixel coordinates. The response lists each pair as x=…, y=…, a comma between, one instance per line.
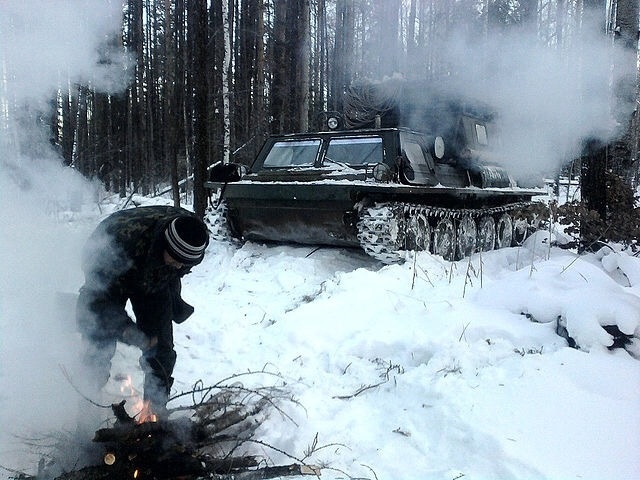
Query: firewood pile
x=208, y=439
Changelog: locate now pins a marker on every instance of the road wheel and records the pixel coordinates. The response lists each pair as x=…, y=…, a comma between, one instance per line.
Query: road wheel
x=520, y=231
x=444, y=239
x=418, y=233
x=466, y=237
x=504, y=231
x=486, y=234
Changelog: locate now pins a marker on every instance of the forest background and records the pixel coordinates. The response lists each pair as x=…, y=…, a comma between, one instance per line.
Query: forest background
x=198, y=82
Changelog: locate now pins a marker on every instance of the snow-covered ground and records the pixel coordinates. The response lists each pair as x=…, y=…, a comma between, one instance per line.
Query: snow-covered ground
x=468, y=384
x=425, y=370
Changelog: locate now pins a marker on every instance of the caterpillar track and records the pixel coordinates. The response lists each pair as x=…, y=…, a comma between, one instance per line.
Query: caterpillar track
x=385, y=230
x=216, y=219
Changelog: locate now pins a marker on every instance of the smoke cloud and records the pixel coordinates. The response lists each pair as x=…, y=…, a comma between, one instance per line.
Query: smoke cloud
x=547, y=101
x=43, y=45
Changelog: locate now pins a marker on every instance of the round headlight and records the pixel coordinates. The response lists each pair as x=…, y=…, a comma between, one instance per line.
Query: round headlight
x=332, y=123
x=438, y=147
x=382, y=172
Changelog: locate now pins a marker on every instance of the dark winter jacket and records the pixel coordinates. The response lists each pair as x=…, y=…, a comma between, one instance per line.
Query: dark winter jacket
x=123, y=259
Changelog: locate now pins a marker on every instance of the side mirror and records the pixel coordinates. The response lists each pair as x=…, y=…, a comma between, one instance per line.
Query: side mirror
x=226, y=172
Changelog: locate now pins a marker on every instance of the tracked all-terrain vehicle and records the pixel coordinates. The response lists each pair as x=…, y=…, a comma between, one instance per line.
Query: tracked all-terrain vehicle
x=385, y=190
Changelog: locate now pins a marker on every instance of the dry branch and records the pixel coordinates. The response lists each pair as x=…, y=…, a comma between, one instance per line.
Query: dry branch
x=194, y=443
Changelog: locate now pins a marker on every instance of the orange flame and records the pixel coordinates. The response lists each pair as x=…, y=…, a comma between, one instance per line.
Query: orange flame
x=142, y=407
x=146, y=414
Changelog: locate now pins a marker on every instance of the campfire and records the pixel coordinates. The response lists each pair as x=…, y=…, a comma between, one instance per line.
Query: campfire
x=202, y=440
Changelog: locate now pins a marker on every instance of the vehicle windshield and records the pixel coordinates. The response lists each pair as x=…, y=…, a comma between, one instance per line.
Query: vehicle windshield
x=354, y=151
x=293, y=152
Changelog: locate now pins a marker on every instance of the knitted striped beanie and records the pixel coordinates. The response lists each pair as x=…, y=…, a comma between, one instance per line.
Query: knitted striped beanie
x=186, y=239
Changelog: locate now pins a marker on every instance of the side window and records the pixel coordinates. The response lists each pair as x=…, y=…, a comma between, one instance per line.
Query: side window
x=414, y=154
x=292, y=153
x=417, y=170
x=481, y=134
x=355, y=151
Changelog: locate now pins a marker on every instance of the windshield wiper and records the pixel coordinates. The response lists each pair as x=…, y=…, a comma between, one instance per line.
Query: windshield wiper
x=335, y=162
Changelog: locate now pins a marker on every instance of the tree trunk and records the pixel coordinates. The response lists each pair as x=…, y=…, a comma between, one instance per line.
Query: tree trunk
x=388, y=38
x=170, y=113
x=279, y=68
x=594, y=159
x=197, y=22
x=319, y=56
x=259, y=114
x=625, y=30
x=302, y=63
x=343, y=50
x=593, y=177
x=216, y=83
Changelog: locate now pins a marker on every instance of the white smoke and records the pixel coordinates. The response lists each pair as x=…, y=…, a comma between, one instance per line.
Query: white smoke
x=548, y=101
x=44, y=45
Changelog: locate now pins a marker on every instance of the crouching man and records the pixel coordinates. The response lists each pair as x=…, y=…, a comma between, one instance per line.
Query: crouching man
x=138, y=255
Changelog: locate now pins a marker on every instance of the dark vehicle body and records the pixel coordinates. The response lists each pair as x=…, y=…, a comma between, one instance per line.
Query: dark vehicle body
x=328, y=188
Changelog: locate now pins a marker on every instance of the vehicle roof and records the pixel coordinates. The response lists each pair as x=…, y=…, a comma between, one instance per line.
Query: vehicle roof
x=340, y=133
